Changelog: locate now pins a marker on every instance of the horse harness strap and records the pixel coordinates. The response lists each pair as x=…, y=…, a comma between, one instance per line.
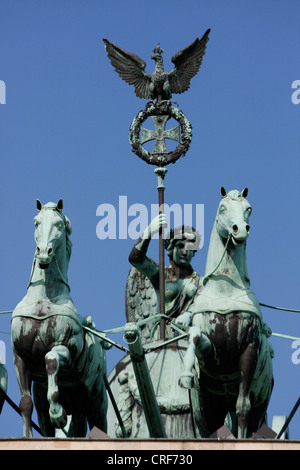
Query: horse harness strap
x=57, y=267
x=205, y=278
x=48, y=315
x=60, y=273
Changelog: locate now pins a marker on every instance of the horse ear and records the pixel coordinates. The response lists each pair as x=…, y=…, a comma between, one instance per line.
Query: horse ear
x=223, y=192
x=60, y=205
x=245, y=192
x=39, y=205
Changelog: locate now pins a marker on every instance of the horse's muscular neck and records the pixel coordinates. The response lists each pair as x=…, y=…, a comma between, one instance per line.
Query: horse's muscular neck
x=232, y=271
x=48, y=283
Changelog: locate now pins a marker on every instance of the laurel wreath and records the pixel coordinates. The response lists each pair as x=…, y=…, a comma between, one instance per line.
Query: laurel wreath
x=154, y=110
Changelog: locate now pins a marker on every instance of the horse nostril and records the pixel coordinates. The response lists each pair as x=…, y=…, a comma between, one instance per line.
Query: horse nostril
x=235, y=228
x=248, y=228
x=38, y=250
x=49, y=251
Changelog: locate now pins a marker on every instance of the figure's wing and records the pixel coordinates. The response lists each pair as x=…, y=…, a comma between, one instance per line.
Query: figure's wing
x=141, y=301
x=130, y=68
x=187, y=63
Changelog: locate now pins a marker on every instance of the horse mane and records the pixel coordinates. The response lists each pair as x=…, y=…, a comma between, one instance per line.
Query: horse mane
x=234, y=194
x=68, y=230
x=68, y=247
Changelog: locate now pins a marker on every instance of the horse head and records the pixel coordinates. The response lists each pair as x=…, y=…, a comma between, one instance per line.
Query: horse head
x=52, y=228
x=233, y=216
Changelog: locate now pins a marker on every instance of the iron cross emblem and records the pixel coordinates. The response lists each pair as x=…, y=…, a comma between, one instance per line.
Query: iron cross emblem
x=160, y=134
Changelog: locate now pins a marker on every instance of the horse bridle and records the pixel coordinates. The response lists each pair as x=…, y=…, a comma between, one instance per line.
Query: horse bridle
x=57, y=267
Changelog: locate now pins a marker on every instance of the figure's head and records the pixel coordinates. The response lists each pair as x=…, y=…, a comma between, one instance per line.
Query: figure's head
x=181, y=245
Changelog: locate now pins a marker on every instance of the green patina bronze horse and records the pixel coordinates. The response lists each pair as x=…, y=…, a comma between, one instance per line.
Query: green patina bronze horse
x=51, y=348
x=228, y=337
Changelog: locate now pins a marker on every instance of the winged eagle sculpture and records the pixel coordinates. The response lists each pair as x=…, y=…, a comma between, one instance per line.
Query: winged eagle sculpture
x=160, y=84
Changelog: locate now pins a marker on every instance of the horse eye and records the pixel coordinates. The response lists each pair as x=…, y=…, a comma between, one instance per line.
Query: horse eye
x=248, y=211
x=36, y=223
x=222, y=209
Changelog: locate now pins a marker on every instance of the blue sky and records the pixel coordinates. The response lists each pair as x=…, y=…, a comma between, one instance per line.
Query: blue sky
x=64, y=134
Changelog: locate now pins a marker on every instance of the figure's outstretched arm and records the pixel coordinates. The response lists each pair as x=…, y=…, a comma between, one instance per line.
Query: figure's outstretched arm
x=138, y=256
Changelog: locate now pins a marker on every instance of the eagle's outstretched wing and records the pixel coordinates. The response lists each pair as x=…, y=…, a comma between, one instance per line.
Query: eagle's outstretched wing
x=130, y=68
x=187, y=63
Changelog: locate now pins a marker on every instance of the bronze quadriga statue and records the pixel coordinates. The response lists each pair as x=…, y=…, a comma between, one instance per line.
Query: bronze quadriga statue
x=201, y=342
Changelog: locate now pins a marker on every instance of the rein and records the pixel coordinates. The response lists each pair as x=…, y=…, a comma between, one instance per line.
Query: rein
x=57, y=267
x=205, y=279
x=60, y=273
x=32, y=270
x=49, y=315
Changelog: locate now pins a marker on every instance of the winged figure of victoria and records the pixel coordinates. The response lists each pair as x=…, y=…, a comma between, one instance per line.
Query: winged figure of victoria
x=160, y=84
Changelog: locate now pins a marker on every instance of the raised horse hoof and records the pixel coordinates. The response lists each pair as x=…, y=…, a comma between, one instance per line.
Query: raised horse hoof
x=58, y=417
x=186, y=381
